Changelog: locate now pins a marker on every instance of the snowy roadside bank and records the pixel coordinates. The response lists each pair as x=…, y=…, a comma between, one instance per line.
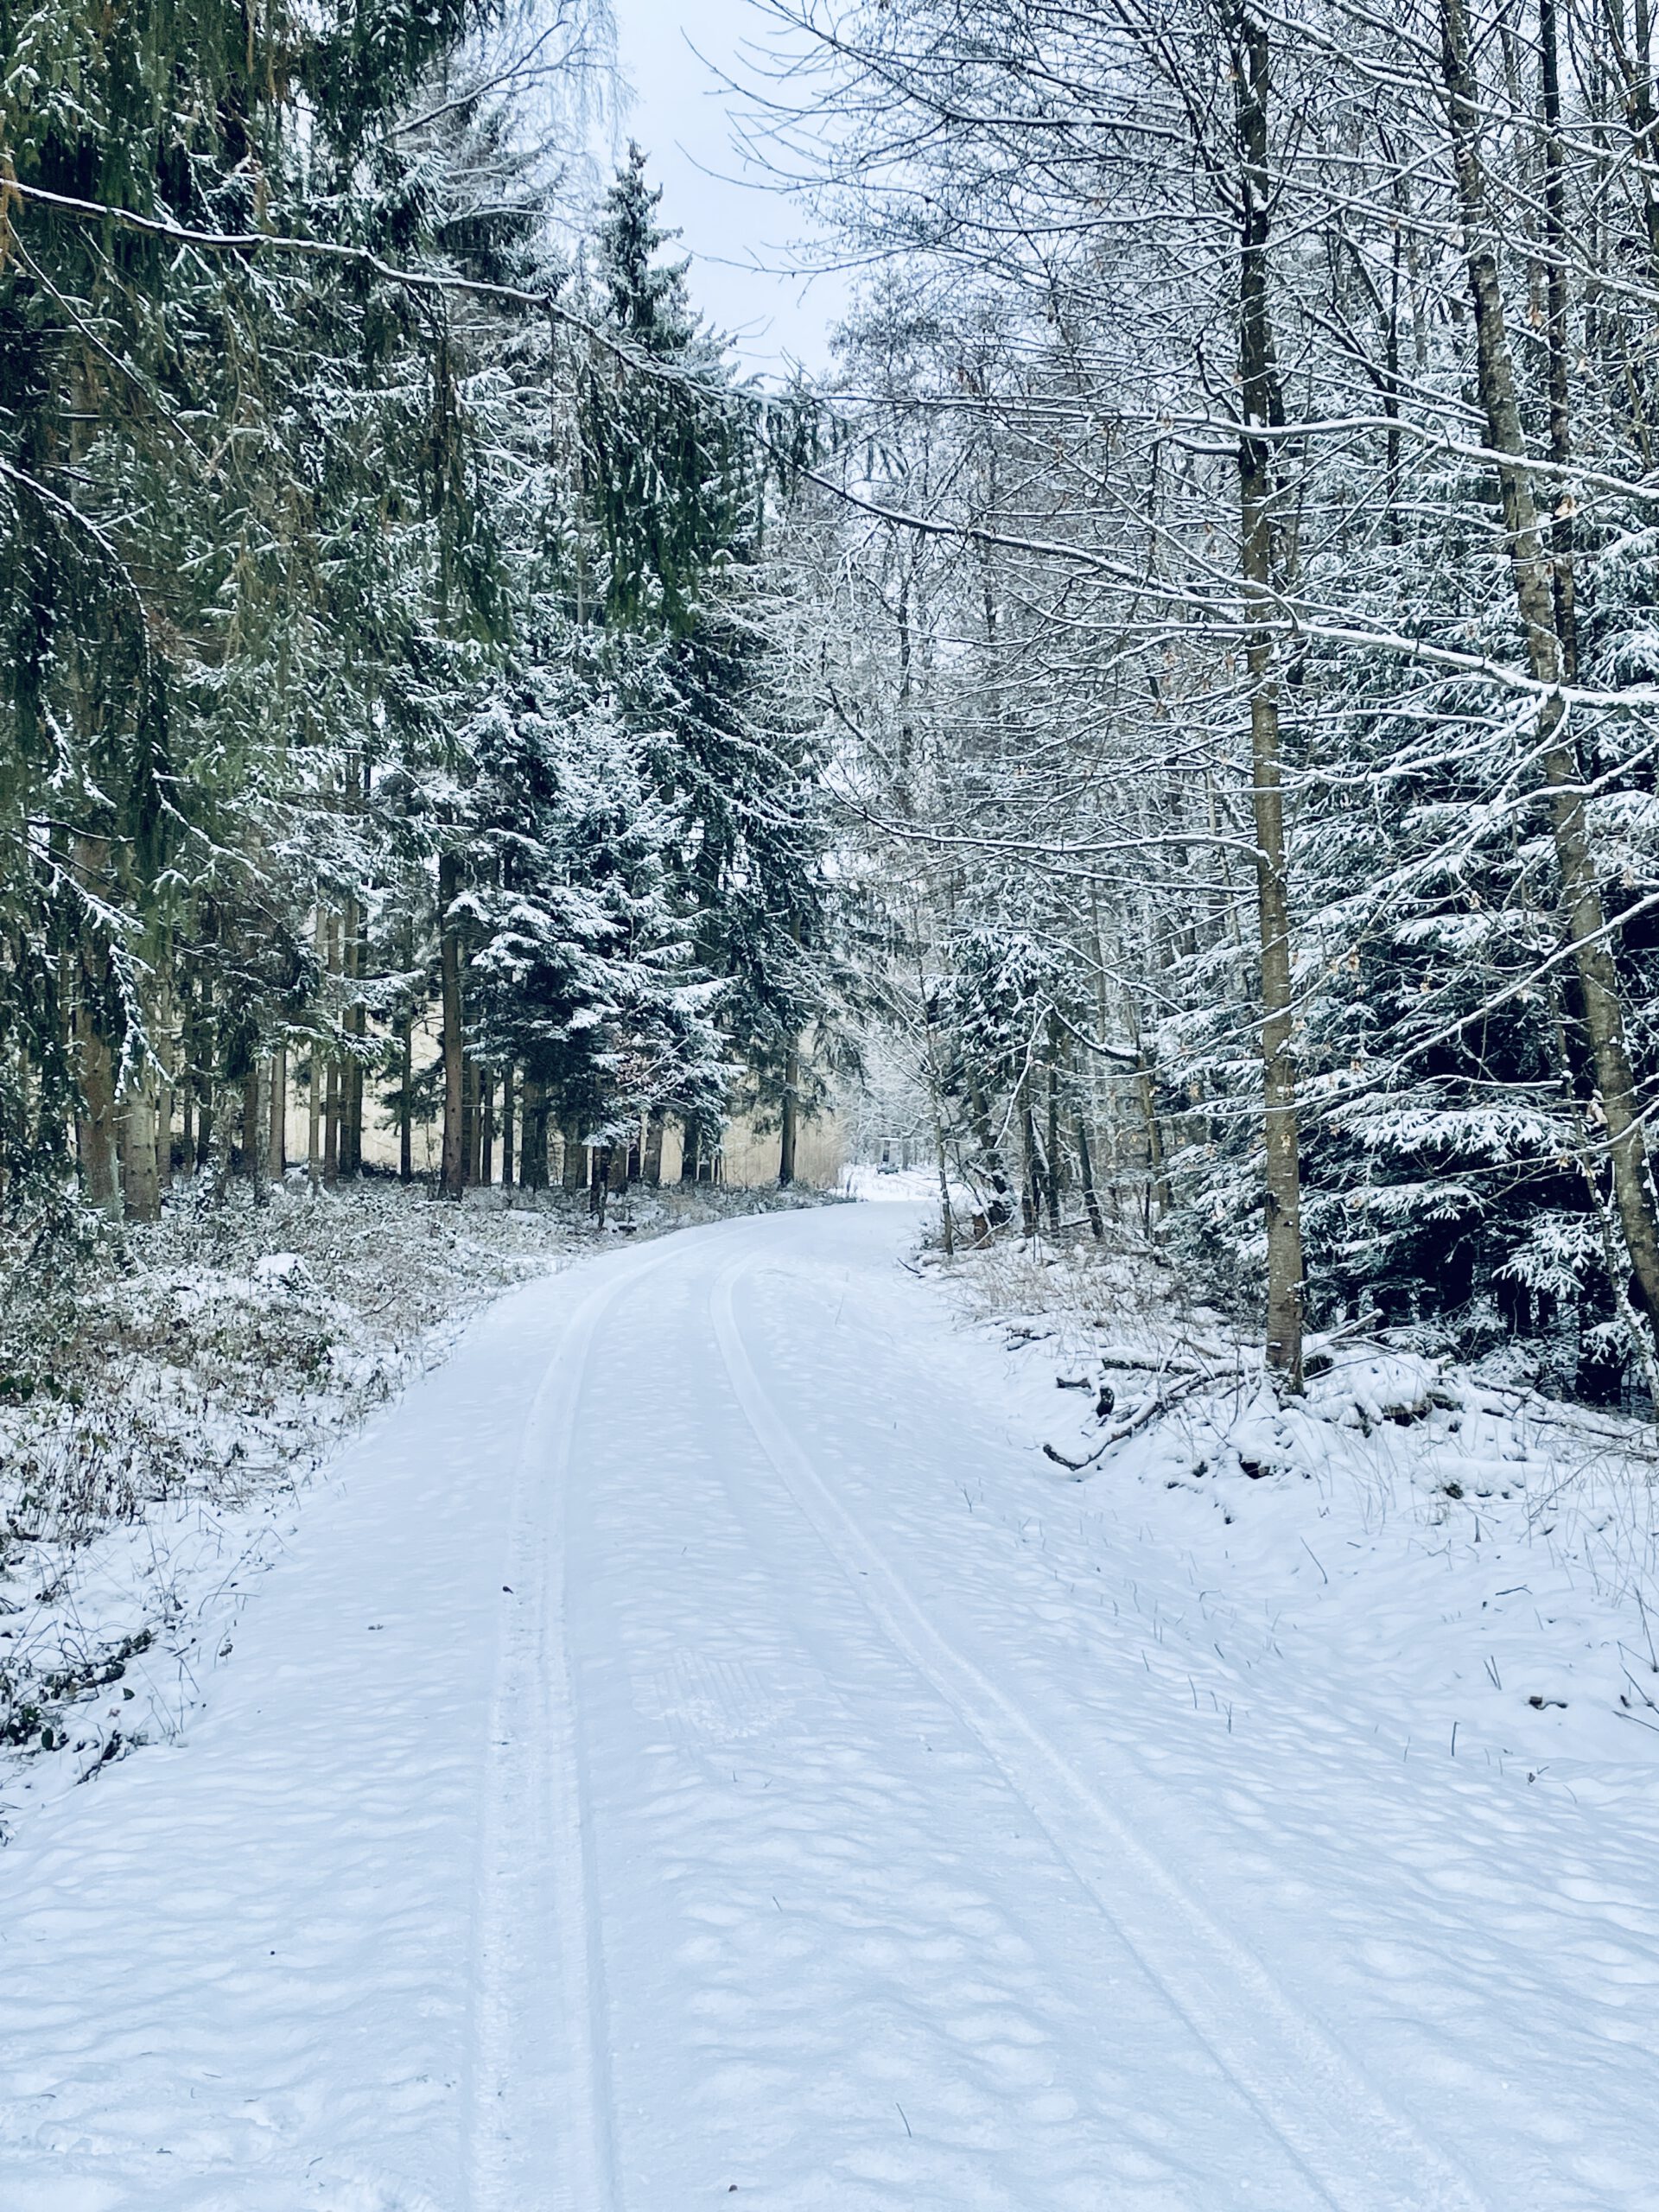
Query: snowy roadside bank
x=1471, y=1566
x=162, y=1415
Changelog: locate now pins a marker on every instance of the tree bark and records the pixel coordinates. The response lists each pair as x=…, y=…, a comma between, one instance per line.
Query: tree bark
x=472, y=1119
x=141, y=1188
x=279, y=1114
x=314, y=1120
x=351, y=1026
x=1533, y=577
x=201, y=1071
x=1560, y=410
x=532, y=1152
x=999, y=1207
x=453, y=1176
x=406, y=1104
x=331, y=1096
x=95, y=1123
x=650, y=1165
x=788, y=1119
x=1030, y=1194
x=1263, y=405
x=165, y=1050
x=256, y=1093
x=1052, y=1135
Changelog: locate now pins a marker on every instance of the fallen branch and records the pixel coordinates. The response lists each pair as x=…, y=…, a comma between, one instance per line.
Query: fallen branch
x=1159, y=1401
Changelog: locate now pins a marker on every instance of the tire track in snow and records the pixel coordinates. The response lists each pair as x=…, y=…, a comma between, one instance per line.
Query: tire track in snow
x=539, y=2122
x=1357, y=2151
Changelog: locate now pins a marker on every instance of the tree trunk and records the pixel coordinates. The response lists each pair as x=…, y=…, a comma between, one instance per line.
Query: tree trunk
x=331, y=1124
x=574, y=1165
x=532, y=1152
x=1053, y=1163
x=999, y=1207
x=314, y=1120
x=788, y=1119
x=1086, y=1172
x=141, y=1189
x=1535, y=602
x=95, y=1123
x=187, y=1097
x=406, y=1104
x=507, y=1127
x=256, y=1137
x=218, y=1121
x=454, y=1159
x=1263, y=404
x=650, y=1165
x=1560, y=412
x=351, y=1072
x=200, y=1075
x=471, y=1119
x=166, y=1049
x=1030, y=1192
x=95, y=1130
x=331, y=1096
x=279, y=1114
x=357, y=1065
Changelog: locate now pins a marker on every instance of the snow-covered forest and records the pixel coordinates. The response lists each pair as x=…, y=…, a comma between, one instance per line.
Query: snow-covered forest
x=1252, y=462
x=1126, y=1677
x=388, y=617
x=1187, y=675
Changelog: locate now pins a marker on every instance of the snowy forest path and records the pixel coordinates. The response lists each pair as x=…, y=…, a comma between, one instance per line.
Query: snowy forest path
x=1351, y=2149
x=672, y=1766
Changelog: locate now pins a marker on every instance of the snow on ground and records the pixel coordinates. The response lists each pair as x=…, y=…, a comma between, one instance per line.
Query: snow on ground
x=895, y=1185
x=160, y=1414
x=695, y=1748
x=1443, y=1552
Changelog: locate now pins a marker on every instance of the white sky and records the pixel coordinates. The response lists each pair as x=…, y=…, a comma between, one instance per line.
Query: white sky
x=740, y=235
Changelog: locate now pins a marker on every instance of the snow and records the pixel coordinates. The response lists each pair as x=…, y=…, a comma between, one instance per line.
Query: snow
x=695, y=1748
x=210, y=1363
x=896, y=1186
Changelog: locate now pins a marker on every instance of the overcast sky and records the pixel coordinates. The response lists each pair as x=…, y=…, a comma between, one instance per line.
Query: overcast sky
x=738, y=234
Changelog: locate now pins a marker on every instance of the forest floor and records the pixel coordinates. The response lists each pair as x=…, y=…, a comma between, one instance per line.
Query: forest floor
x=696, y=1745
x=166, y=1398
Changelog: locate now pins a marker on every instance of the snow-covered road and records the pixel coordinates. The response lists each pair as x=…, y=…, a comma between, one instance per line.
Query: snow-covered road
x=664, y=1770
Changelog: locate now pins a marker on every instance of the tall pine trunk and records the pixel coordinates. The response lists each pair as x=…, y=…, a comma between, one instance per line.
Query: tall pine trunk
x=1534, y=579
x=141, y=1183
x=789, y=1118
x=1263, y=404
x=331, y=1093
x=651, y=1165
x=95, y=1122
x=278, y=1118
x=406, y=1103
x=454, y=1174
x=532, y=1151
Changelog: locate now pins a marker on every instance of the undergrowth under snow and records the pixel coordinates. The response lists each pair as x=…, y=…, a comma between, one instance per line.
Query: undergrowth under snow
x=166, y=1394
x=1469, y=1567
